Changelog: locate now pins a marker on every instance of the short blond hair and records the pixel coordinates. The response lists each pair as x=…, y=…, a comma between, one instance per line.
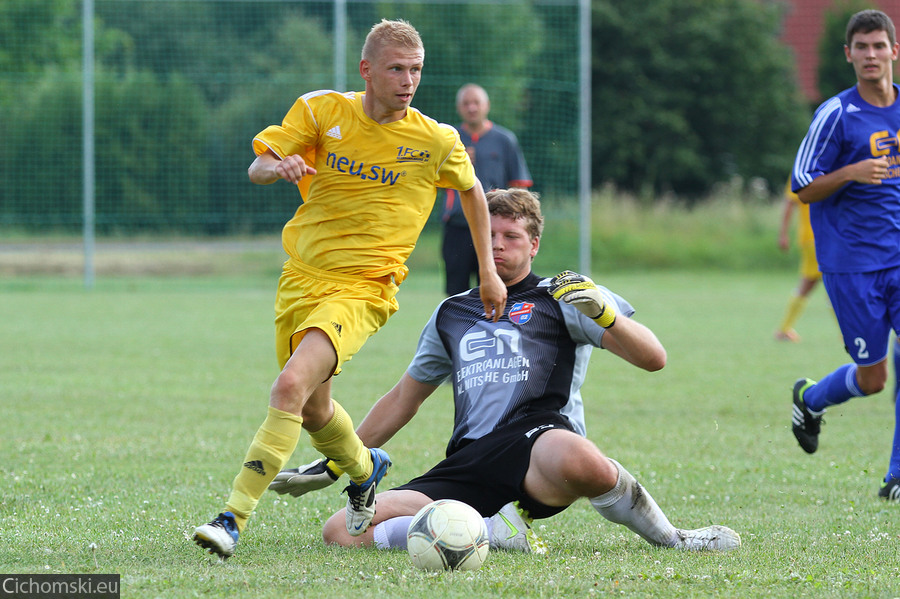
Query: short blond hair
x=398, y=33
x=518, y=204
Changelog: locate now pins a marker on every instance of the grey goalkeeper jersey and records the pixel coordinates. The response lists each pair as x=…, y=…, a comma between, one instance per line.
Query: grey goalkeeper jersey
x=533, y=360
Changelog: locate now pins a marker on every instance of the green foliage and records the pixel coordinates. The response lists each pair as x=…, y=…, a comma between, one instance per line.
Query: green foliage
x=686, y=95
x=453, y=60
x=160, y=37
x=552, y=97
x=728, y=230
x=201, y=78
x=37, y=34
x=144, y=139
x=690, y=93
x=834, y=74
x=525, y=54
x=141, y=139
x=43, y=126
x=277, y=71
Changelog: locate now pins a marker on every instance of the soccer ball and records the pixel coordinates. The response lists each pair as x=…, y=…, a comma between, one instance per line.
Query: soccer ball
x=447, y=535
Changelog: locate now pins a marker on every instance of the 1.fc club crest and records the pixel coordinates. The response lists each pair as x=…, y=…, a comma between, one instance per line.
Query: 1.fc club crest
x=520, y=313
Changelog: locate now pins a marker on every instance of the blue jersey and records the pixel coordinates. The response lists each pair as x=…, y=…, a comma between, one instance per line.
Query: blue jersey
x=533, y=360
x=857, y=229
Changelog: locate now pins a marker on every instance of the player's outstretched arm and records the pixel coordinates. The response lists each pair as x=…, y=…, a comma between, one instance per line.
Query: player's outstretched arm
x=635, y=343
x=491, y=287
x=784, y=236
x=493, y=295
x=627, y=338
x=393, y=411
x=581, y=292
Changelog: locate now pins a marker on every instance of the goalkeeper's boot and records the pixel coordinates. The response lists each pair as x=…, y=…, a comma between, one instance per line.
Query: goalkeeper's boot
x=804, y=423
x=711, y=538
x=511, y=530
x=890, y=489
x=361, y=496
x=219, y=536
x=302, y=480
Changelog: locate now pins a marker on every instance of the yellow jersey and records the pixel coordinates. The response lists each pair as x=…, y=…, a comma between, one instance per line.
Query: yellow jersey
x=374, y=187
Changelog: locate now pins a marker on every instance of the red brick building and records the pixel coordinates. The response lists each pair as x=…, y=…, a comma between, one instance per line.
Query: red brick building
x=803, y=23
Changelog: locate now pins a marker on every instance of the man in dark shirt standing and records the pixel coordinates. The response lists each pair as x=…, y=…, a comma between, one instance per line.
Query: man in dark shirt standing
x=499, y=163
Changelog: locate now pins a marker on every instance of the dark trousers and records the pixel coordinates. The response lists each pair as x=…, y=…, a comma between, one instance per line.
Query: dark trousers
x=460, y=259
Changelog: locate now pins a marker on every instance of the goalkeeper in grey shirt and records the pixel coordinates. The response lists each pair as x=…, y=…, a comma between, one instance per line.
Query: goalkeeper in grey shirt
x=518, y=450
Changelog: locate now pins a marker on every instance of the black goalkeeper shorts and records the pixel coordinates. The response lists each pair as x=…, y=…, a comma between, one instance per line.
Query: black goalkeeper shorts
x=488, y=473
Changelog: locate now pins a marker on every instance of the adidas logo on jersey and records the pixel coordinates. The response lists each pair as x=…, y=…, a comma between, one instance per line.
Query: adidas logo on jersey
x=256, y=466
x=853, y=108
x=334, y=132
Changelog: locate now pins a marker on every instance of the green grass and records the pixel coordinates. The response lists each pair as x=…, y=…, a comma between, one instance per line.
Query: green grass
x=127, y=411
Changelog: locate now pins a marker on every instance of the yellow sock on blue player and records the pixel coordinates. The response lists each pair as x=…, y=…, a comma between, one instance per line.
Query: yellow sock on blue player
x=339, y=442
x=269, y=451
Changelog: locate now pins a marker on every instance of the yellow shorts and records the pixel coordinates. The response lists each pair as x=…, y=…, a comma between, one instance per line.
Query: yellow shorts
x=809, y=266
x=348, y=309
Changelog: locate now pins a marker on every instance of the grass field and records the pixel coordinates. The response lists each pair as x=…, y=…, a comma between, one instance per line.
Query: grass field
x=127, y=411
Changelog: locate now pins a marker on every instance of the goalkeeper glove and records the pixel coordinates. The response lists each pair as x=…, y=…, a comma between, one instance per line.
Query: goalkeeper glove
x=302, y=480
x=581, y=292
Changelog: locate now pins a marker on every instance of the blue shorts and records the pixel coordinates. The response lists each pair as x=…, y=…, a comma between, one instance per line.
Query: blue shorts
x=867, y=306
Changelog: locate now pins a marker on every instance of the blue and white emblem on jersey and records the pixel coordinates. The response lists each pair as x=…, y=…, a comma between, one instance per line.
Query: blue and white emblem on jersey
x=520, y=313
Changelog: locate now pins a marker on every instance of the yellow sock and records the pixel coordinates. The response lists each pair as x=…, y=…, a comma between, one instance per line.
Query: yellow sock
x=795, y=308
x=339, y=442
x=269, y=451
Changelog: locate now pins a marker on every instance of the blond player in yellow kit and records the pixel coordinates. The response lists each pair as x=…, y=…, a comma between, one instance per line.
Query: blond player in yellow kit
x=368, y=166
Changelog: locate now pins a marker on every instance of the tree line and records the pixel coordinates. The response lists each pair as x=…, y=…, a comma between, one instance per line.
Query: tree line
x=685, y=94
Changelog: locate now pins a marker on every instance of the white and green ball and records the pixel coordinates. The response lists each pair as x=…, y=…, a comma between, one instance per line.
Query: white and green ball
x=448, y=535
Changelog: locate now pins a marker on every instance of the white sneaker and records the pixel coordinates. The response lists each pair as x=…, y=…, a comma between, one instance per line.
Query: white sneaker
x=511, y=530
x=711, y=538
x=219, y=536
x=361, y=497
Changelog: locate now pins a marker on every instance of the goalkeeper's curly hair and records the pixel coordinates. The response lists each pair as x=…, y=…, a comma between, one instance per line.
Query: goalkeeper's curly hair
x=518, y=204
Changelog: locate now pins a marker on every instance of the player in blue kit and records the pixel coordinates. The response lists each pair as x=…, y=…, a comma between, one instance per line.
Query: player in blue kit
x=519, y=428
x=847, y=171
